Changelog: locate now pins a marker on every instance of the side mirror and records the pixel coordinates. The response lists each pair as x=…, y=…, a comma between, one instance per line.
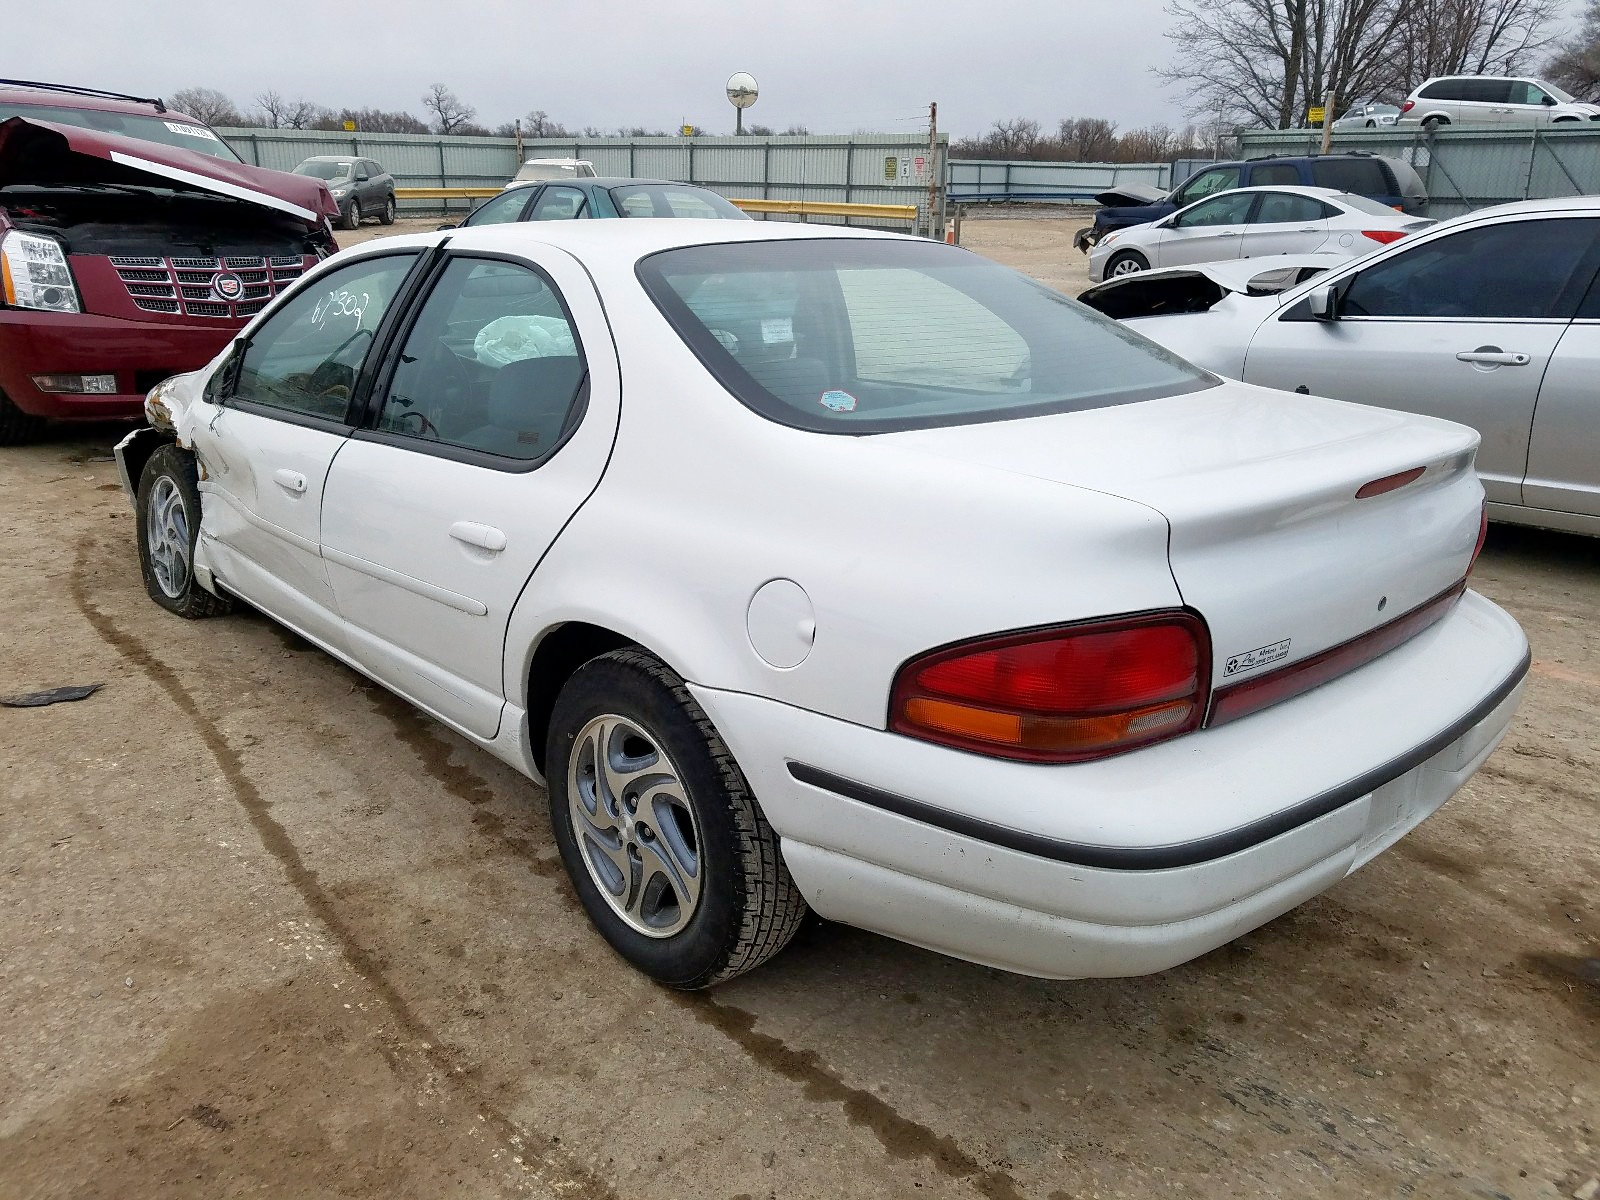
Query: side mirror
x=1550, y=101
x=1323, y=302
x=362, y=177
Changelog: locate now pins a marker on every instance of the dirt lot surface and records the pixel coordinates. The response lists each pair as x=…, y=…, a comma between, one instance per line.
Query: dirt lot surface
x=266, y=930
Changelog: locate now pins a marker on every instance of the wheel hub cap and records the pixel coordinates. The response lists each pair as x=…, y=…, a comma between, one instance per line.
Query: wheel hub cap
x=167, y=535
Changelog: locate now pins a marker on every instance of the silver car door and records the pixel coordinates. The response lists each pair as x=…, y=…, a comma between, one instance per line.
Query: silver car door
x=1564, y=450
x=1285, y=223
x=1206, y=232
x=1461, y=326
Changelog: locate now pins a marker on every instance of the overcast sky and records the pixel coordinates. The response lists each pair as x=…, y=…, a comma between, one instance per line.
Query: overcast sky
x=832, y=65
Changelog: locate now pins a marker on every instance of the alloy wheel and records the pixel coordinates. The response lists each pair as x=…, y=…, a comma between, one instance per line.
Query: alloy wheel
x=167, y=535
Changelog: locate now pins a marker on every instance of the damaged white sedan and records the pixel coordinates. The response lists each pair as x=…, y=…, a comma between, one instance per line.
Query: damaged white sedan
x=814, y=567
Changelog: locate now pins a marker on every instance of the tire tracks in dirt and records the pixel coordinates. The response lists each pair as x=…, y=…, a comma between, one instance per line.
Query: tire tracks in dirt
x=563, y=1177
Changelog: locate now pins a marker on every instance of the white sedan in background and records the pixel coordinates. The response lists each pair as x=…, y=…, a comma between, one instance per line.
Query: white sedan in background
x=1251, y=223
x=810, y=566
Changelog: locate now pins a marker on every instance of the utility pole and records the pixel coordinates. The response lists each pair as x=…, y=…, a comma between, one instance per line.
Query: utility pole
x=933, y=173
x=517, y=133
x=1327, y=120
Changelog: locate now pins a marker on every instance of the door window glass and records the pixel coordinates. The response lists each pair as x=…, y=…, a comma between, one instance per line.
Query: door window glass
x=1274, y=174
x=1518, y=269
x=1523, y=92
x=306, y=356
x=1217, y=180
x=1279, y=208
x=559, y=204
x=1221, y=210
x=507, y=206
x=492, y=364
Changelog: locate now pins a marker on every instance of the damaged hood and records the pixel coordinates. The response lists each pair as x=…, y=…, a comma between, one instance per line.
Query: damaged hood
x=1199, y=287
x=1130, y=195
x=42, y=152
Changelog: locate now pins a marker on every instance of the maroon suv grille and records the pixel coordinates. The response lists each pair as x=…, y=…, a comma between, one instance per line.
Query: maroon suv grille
x=188, y=286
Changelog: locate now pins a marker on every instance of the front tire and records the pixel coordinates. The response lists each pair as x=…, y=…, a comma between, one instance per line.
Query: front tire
x=1126, y=262
x=387, y=216
x=352, y=215
x=1435, y=122
x=668, y=851
x=168, y=511
x=16, y=426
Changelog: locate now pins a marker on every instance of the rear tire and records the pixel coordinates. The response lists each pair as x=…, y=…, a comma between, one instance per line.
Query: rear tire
x=168, y=511
x=1126, y=262
x=668, y=851
x=16, y=426
x=387, y=216
x=352, y=215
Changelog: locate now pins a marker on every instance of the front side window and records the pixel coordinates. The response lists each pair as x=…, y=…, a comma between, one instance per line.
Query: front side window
x=305, y=357
x=492, y=364
x=868, y=336
x=496, y=210
x=559, y=204
x=1516, y=270
x=1219, y=179
x=1220, y=210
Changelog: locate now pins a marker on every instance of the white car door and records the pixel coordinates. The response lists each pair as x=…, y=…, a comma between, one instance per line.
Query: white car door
x=1564, y=451
x=1209, y=231
x=1461, y=326
x=1285, y=223
x=489, y=424
x=271, y=424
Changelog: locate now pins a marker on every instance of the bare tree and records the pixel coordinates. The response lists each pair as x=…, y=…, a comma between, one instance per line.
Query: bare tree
x=1467, y=37
x=1087, y=139
x=370, y=120
x=1576, y=65
x=797, y=131
x=280, y=113
x=206, y=104
x=449, y=113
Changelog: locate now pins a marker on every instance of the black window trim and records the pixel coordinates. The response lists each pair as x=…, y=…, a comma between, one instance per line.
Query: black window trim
x=241, y=345
x=374, y=382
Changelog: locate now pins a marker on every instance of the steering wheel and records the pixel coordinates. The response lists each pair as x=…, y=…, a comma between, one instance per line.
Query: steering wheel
x=425, y=427
x=330, y=373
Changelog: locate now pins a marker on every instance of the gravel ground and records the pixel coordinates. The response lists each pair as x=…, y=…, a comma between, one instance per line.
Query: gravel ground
x=264, y=929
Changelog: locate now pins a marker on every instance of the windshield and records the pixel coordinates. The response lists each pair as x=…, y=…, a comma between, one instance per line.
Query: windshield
x=870, y=336
x=187, y=135
x=320, y=168
x=666, y=200
x=1364, y=204
x=1557, y=92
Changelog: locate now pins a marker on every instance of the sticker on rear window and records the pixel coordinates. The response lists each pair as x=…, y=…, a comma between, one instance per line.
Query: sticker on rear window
x=839, y=401
x=199, y=131
x=777, y=329
x=1251, y=659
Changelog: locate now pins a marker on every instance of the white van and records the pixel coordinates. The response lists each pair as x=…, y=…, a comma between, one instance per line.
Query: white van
x=554, y=168
x=1492, y=100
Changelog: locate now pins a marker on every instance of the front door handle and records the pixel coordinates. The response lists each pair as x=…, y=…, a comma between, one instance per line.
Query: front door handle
x=290, y=481
x=485, y=537
x=1493, y=356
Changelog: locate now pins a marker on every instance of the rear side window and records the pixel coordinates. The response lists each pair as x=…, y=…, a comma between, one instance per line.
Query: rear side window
x=1363, y=176
x=1516, y=270
x=1439, y=89
x=559, y=204
x=1274, y=174
x=656, y=200
x=869, y=336
x=1282, y=207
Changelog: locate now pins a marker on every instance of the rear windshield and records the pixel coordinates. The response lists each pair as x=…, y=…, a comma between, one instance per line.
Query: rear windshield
x=870, y=336
x=186, y=135
x=1363, y=176
x=323, y=170
x=653, y=200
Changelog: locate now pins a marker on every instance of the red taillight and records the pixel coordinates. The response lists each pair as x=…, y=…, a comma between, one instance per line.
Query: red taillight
x=1408, y=106
x=1483, y=535
x=1065, y=694
x=1384, y=235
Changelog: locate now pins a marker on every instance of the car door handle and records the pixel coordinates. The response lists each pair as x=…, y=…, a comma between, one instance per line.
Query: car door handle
x=1493, y=356
x=1312, y=229
x=290, y=481
x=485, y=537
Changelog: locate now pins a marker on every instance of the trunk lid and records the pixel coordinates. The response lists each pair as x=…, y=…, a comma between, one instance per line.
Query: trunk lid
x=39, y=152
x=1268, y=541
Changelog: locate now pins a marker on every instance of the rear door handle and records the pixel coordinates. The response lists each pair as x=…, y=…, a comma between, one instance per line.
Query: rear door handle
x=1493, y=356
x=290, y=481
x=485, y=537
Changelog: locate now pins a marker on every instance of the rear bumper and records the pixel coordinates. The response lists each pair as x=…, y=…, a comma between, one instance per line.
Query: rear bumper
x=1141, y=862
x=136, y=352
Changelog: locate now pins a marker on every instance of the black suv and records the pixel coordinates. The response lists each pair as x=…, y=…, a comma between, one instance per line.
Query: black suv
x=1386, y=180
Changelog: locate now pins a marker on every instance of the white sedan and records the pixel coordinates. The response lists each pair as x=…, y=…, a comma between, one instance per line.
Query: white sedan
x=1250, y=223
x=816, y=567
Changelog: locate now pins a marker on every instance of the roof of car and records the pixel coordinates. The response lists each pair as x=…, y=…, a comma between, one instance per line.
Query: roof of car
x=1299, y=189
x=333, y=158
x=606, y=181
x=66, y=98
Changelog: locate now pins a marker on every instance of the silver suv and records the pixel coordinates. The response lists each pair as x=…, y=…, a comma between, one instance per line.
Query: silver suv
x=1492, y=100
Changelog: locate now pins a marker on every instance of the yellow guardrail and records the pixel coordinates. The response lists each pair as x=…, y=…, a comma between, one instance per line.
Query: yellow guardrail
x=821, y=208
x=793, y=208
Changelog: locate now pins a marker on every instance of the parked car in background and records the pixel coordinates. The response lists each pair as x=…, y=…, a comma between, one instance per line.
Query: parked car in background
x=361, y=186
x=1386, y=180
x=984, y=624
x=1368, y=116
x=124, y=260
x=1491, y=319
x=584, y=198
x=1492, y=100
x=1250, y=223
x=540, y=169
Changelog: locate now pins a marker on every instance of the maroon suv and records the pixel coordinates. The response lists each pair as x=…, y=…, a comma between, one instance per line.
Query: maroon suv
x=133, y=245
